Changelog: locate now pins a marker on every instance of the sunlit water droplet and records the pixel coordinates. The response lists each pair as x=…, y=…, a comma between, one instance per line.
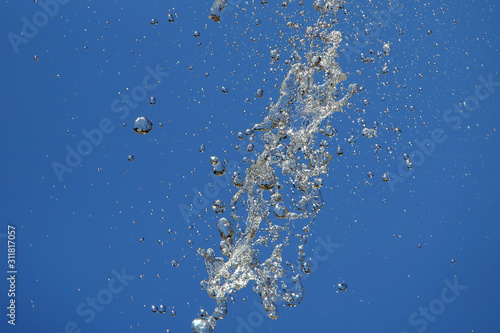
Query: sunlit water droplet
x=219, y=206
x=142, y=125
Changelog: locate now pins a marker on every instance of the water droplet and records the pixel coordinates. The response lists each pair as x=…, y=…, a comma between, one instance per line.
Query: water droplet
x=196, y=34
x=170, y=17
x=329, y=130
x=175, y=263
x=340, y=151
x=152, y=100
x=172, y=313
x=306, y=267
x=387, y=48
x=280, y=211
x=237, y=180
x=219, y=206
x=35, y=57
x=342, y=286
x=154, y=21
x=224, y=90
x=260, y=93
x=162, y=309
x=142, y=125
x=154, y=308
x=225, y=228
x=200, y=325
x=202, y=148
x=131, y=157
x=385, y=177
x=141, y=239
x=219, y=167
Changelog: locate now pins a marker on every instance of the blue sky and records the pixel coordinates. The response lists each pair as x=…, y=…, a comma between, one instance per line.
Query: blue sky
x=79, y=228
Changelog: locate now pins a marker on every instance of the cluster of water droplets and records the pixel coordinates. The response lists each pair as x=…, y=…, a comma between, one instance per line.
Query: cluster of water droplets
x=284, y=183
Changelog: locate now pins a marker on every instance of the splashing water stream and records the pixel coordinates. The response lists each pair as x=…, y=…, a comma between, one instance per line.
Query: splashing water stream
x=308, y=95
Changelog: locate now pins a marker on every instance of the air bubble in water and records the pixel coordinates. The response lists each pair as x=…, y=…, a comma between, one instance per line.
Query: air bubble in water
x=142, y=125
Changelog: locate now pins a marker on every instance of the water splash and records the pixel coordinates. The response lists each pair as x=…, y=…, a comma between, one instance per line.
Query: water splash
x=290, y=167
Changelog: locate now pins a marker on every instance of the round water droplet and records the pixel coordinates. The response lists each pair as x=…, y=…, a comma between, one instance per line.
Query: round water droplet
x=131, y=157
x=342, y=286
x=175, y=263
x=154, y=21
x=329, y=130
x=385, y=177
x=237, y=180
x=171, y=17
x=196, y=34
x=35, y=57
x=225, y=228
x=142, y=125
x=219, y=206
x=154, y=308
x=172, y=313
x=162, y=309
x=224, y=90
x=280, y=211
x=152, y=100
x=202, y=148
x=219, y=167
x=200, y=325
x=260, y=93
